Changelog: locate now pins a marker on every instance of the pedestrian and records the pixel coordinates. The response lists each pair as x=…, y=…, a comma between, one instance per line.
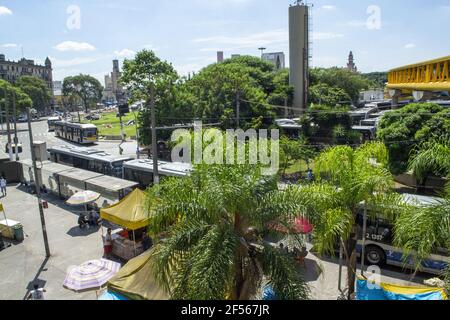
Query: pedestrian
x=147, y=242
x=310, y=177
x=108, y=244
x=36, y=294
x=3, y=186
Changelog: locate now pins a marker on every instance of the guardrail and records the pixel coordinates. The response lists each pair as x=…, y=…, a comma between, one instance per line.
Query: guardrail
x=427, y=76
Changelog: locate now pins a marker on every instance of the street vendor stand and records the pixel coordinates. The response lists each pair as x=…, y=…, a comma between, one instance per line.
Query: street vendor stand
x=129, y=214
x=9, y=228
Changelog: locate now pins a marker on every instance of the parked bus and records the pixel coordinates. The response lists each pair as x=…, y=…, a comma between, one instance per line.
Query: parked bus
x=89, y=159
x=76, y=132
x=51, y=123
x=141, y=171
x=379, y=248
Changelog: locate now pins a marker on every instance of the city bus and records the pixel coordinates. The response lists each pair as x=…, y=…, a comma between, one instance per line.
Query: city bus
x=141, y=171
x=379, y=248
x=51, y=123
x=76, y=132
x=89, y=159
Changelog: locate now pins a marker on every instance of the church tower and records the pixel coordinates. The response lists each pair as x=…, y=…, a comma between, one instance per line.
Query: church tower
x=351, y=66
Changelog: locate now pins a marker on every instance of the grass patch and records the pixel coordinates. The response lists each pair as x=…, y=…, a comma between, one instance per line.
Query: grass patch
x=109, y=125
x=298, y=166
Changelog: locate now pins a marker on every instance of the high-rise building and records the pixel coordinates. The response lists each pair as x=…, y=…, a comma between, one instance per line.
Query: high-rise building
x=277, y=58
x=219, y=56
x=351, y=66
x=11, y=71
x=299, y=54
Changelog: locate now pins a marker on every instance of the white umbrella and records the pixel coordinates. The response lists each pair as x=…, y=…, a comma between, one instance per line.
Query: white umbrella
x=83, y=197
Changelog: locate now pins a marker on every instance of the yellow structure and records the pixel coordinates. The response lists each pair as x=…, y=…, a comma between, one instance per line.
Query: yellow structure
x=430, y=75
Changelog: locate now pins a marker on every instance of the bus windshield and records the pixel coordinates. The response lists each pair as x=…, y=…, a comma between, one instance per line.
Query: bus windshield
x=89, y=133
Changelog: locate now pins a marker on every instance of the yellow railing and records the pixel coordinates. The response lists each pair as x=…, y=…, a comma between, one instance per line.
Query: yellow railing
x=428, y=75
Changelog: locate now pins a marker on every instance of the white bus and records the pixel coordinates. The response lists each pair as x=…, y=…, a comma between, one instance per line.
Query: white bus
x=380, y=251
x=76, y=132
x=51, y=123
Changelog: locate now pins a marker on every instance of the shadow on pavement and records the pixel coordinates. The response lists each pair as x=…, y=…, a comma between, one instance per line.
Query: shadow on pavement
x=77, y=232
x=36, y=280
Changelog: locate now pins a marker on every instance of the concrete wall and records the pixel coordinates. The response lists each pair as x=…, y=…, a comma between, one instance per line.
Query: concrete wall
x=298, y=54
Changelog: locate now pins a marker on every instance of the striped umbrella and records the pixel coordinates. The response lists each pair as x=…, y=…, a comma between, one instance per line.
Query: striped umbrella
x=83, y=197
x=91, y=275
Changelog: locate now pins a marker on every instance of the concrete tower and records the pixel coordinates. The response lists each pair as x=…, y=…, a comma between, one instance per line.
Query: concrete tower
x=299, y=54
x=219, y=56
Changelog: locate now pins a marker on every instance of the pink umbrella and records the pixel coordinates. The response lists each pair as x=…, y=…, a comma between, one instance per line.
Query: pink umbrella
x=300, y=225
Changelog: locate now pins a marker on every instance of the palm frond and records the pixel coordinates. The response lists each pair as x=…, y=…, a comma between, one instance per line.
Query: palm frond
x=285, y=279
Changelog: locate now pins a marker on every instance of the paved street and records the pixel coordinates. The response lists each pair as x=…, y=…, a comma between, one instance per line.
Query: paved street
x=23, y=264
x=40, y=133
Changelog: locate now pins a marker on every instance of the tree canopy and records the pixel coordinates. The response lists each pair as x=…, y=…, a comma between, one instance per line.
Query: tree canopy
x=23, y=101
x=85, y=87
x=401, y=130
x=326, y=82
x=37, y=90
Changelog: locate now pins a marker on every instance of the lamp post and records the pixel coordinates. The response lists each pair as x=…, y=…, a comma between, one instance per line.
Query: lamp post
x=38, y=187
x=262, y=51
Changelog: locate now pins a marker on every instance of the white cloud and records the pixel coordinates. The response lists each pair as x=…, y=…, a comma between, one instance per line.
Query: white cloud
x=125, y=53
x=279, y=36
x=254, y=40
x=151, y=47
x=328, y=7
x=9, y=45
x=4, y=11
x=326, y=35
x=74, y=46
x=410, y=46
x=57, y=63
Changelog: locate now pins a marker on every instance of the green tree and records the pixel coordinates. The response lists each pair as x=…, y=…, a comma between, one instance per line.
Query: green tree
x=431, y=158
x=148, y=77
x=325, y=94
x=401, y=130
x=37, y=90
x=214, y=222
x=351, y=83
x=294, y=150
x=23, y=101
x=347, y=178
x=421, y=231
x=86, y=88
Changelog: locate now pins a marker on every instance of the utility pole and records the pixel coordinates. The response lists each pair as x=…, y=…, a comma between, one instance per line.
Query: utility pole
x=8, y=128
x=1, y=111
x=16, y=139
x=38, y=187
x=238, y=108
x=154, y=141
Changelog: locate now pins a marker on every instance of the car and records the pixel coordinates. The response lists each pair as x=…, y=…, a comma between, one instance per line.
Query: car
x=92, y=117
x=22, y=119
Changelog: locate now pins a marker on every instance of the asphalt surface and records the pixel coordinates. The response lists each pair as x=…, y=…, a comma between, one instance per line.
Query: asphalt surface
x=41, y=133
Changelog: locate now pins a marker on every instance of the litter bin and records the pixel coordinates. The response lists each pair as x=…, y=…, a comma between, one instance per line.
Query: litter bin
x=18, y=233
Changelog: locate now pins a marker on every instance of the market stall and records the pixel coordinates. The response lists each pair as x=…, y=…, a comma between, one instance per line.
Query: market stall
x=132, y=219
x=135, y=281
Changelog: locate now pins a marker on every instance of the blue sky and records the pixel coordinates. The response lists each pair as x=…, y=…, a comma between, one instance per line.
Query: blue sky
x=189, y=32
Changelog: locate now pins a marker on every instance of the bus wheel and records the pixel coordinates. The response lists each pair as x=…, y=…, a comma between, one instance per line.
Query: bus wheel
x=375, y=256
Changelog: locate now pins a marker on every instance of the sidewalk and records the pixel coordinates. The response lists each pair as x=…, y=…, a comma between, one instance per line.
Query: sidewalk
x=23, y=264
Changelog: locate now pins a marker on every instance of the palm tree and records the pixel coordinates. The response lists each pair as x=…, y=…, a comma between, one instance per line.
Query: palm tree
x=419, y=232
x=347, y=178
x=213, y=224
x=431, y=157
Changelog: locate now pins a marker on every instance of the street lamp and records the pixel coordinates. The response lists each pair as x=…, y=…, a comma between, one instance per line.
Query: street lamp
x=262, y=51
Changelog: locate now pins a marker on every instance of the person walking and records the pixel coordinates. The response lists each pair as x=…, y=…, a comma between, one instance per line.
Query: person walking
x=36, y=294
x=3, y=186
x=108, y=244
